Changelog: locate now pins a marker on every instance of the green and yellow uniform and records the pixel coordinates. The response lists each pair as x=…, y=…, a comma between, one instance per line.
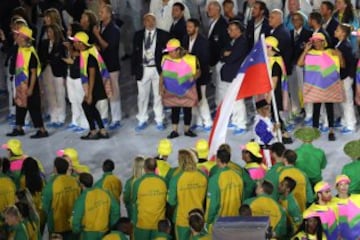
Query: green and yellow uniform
x=7, y=192
x=293, y=212
x=201, y=236
x=110, y=183
x=128, y=189
x=352, y=170
x=272, y=175
x=18, y=232
x=115, y=235
x=162, y=236
x=205, y=166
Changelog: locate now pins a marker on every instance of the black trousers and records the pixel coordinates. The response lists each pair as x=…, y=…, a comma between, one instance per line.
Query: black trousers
x=329, y=113
x=175, y=115
x=92, y=115
x=34, y=108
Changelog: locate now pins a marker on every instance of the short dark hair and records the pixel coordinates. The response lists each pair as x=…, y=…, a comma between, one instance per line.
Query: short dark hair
x=290, y=156
x=150, y=164
x=121, y=224
x=180, y=5
x=164, y=225
x=196, y=219
x=290, y=182
x=278, y=148
x=267, y=187
x=23, y=209
x=316, y=16
x=86, y=179
x=245, y=210
x=61, y=165
x=108, y=165
x=329, y=5
x=227, y=2
x=238, y=24
x=194, y=21
x=223, y=155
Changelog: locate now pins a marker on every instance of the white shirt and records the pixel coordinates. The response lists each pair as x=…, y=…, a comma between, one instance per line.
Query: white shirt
x=212, y=26
x=326, y=23
x=257, y=30
x=191, y=43
x=149, y=54
x=235, y=10
x=297, y=32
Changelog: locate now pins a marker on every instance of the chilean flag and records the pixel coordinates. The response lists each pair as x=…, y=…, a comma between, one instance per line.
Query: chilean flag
x=253, y=78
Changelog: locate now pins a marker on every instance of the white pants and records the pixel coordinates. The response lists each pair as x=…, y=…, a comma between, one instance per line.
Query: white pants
x=76, y=96
x=202, y=111
x=348, y=111
x=11, y=90
x=115, y=101
x=149, y=80
x=239, y=116
x=294, y=88
x=216, y=79
x=103, y=108
x=55, y=95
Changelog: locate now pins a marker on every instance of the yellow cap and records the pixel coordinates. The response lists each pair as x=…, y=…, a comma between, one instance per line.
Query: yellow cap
x=14, y=145
x=202, y=148
x=81, y=37
x=72, y=154
x=321, y=186
x=272, y=42
x=164, y=147
x=25, y=31
x=318, y=37
x=342, y=178
x=254, y=148
x=172, y=45
x=309, y=214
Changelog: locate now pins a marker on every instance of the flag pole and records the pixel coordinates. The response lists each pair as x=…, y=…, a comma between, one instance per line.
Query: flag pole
x=273, y=99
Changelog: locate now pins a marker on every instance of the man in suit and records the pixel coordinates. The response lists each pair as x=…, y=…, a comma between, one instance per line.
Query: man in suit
x=329, y=22
x=282, y=34
x=148, y=45
x=293, y=6
x=218, y=40
x=198, y=45
x=178, y=27
x=258, y=24
x=315, y=23
x=233, y=57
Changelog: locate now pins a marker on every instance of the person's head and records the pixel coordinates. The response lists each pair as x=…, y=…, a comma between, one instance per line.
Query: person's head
x=173, y=48
x=342, y=5
x=88, y=20
x=318, y=41
x=61, y=165
x=23, y=37
x=297, y=20
x=192, y=26
x=293, y=6
x=289, y=157
x=196, y=220
x=326, y=9
x=187, y=160
x=138, y=166
x=22, y=13
x=311, y=224
x=52, y=16
x=30, y=169
x=277, y=150
x=264, y=187
x=164, y=226
x=81, y=43
x=286, y=186
x=322, y=190
x=164, y=148
x=124, y=225
x=149, y=21
x=214, y=10
x=177, y=10
x=259, y=10
x=108, y=165
x=251, y=153
x=228, y=7
x=14, y=147
x=343, y=31
x=276, y=18
x=150, y=165
x=263, y=108
x=24, y=209
x=86, y=180
x=105, y=13
x=202, y=148
x=222, y=157
x=12, y=216
x=342, y=183
x=235, y=29
x=23, y=196
x=73, y=29
x=315, y=20
x=16, y=23
x=271, y=47
x=245, y=210
x=225, y=147
x=54, y=33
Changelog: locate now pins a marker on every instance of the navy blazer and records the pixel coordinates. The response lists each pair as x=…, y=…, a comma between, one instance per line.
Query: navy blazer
x=218, y=40
x=111, y=35
x=232, y=63
x=137, y=68
x=54, y=58
x=330, y=29
x=282, y=34
x=265, y=29
x=299, y=45
x=201, y=51
x=178, y=30
x=350, y=62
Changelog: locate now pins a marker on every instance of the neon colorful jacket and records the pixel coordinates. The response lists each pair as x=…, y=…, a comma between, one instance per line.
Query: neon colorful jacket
x=110, y=183
x=163, y=168
x=312, y=161
x=187, y=191
x=329, y=216
x=352, y=171
x=302, y=192
x=225, y=195
x=206, y=166
x=273, y=176
x=95, y=211
x=358, y=73
x=149, y=199
x=18, y=232
x=115, y=235
x=58, y=200
x=7, y=192
x=304, y=236
x=256, y=171
x=264, y=205
x=16, y=163
x=293, y=212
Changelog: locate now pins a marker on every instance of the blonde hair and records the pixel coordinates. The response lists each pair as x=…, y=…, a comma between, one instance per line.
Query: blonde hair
x=54, y=16
x=187, y=160
x=138, y=167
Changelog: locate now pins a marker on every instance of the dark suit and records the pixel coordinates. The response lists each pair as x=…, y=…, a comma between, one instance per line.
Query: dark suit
x=218, y=40
x=137, y=69
x=201, y=50
x=265, y=29
x=178, y=30
x=330, y=29
x=299, y=44
x=111, y=34
x=327, y=37
x=282, y=34
x=54, y=58
x=233, y=62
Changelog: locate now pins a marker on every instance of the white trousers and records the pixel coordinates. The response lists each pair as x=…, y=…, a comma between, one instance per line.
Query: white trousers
x=295, y=79
x=348, y=110
x=202, y=110
x=103, y=108
x=55, y=95
x=115, y=101
x=149, y=80
x=239, y=116
x=216, y=79
x=76, y=96
x=11, y=90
